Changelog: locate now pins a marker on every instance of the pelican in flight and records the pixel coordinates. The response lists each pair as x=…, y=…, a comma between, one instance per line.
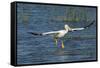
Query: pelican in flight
x=61, y=33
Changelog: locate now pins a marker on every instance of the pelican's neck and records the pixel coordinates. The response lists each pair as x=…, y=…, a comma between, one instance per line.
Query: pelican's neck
x=66, y=30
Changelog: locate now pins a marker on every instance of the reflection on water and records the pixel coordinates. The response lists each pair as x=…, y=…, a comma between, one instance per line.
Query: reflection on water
x=79, y=46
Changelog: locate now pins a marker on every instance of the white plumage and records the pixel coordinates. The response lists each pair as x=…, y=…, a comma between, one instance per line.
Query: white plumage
x=62, y=33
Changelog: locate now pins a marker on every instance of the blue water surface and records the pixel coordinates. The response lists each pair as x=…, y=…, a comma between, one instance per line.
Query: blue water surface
x=79, y=45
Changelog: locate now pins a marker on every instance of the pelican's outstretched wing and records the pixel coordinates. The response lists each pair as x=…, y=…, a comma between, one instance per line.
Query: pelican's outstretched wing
x=34, y=33
x=90, y=24
x=51, y=32
x=75, y=29
x=45, y=33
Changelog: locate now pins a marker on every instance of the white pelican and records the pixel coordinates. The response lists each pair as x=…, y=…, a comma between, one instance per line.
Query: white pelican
x=61, y=33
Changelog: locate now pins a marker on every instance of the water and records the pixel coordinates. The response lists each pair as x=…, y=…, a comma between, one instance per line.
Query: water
x=79, y=45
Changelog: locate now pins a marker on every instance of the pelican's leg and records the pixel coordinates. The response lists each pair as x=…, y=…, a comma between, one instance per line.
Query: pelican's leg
x=56, y=41
x=62, y=44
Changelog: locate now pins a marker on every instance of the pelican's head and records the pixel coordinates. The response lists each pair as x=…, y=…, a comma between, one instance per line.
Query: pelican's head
x=66, y=27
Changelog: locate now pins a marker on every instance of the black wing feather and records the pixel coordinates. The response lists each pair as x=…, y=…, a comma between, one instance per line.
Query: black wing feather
x=33, y=33
x=90, y=24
